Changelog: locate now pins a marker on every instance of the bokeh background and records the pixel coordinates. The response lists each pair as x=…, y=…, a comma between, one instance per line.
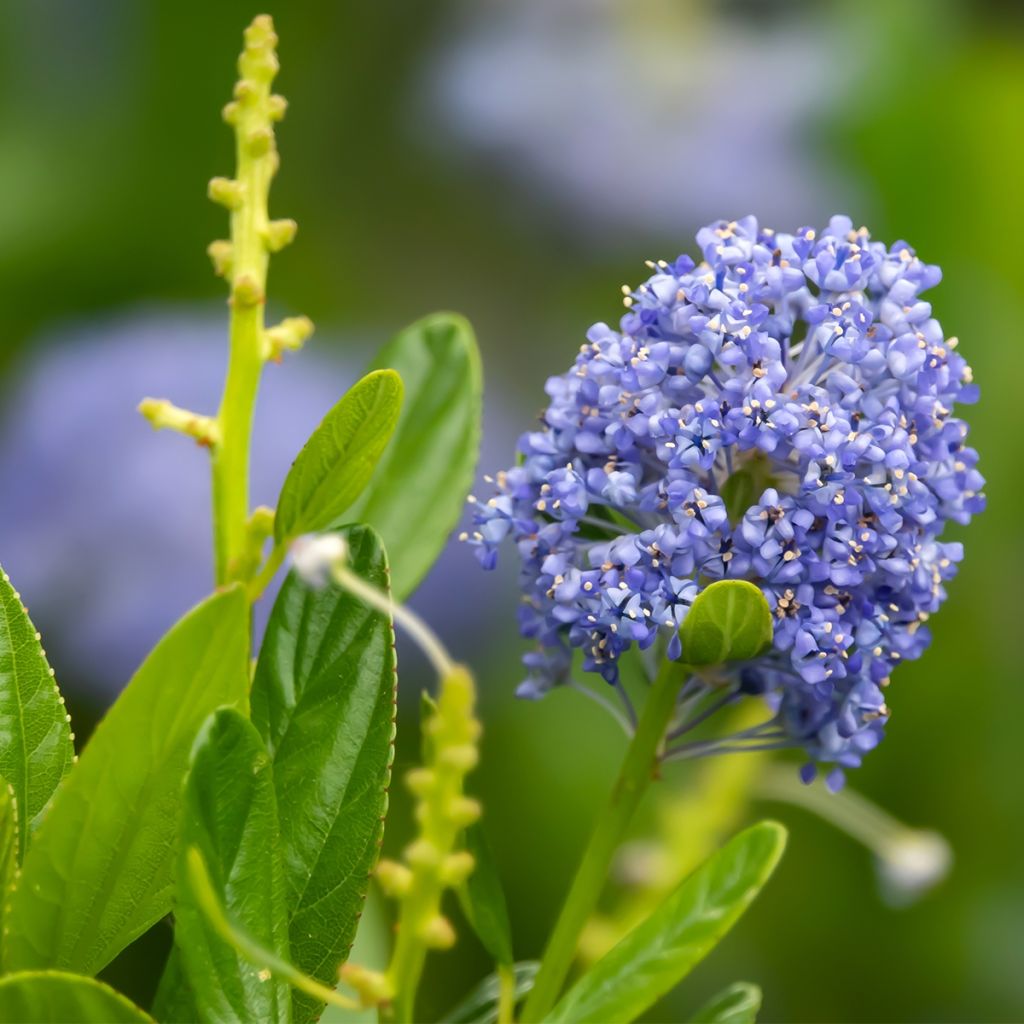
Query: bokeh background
x=517, y=160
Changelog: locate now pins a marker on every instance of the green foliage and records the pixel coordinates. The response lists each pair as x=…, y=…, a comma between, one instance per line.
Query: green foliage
x=729, y=621
x=323, y=700
x=481, y=1005
x=8, y=844
x=483, y=899
x=231, y=818
x=35, y=738
x=737, y=1004
x=53, y=997
x=662, y=950
x=100, y=871
x=338, y=460
x=418, y=490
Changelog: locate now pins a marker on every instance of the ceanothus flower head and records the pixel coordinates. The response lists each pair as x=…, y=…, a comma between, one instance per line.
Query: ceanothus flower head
x=780, y=412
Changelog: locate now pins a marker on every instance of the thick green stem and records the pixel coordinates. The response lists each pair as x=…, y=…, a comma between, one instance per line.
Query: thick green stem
x=638, y=770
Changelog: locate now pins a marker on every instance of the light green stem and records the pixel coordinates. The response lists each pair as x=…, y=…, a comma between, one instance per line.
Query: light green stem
x=638, y=770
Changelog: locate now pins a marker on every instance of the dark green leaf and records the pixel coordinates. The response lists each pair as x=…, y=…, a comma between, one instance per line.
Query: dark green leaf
x=418, y=491
x=483, y=899
x=338, y=460
x=101, y=869
x=323, y=699
x=729, y=621
x=481, y=1005
x=738, y=1004
x=53, y=997
x=35, y=738
x=664, y=948
x=231, y=818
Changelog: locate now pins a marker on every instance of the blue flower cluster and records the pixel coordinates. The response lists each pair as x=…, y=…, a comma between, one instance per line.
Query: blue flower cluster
x=780, y=412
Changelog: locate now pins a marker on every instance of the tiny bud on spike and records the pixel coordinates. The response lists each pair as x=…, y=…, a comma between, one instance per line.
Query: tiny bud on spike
x=457, y=867
x=438, y=933
x=221, y=255
x=226, y=192
x=279, y=233
x=246, y=291
x=276, y=107
x=394, y=878
x=372, y=987
x=260, y=141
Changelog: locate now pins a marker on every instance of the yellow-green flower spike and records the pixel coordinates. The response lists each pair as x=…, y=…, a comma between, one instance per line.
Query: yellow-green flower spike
x=244, y=261
x=433, y=862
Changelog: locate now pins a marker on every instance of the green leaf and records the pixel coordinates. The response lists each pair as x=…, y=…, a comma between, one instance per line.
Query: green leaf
x=174, y=1002
x=664, y=948
x=729, y=621
x=8, y=844
x=338, y=460
x=481, y=1005
x=483, y=899
x=231, y=818
x=53, y=997
x=101, y=869
x=323, y=700
x=418, y=491
x=737, y=1004
x=35, y=738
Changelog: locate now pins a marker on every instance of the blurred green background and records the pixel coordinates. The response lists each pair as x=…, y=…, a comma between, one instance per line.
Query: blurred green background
x=518, y=161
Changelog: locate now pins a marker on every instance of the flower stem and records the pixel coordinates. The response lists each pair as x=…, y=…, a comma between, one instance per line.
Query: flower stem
x=638, y=770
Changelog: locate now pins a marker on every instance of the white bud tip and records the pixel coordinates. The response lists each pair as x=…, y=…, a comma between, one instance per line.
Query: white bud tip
x=315, y=556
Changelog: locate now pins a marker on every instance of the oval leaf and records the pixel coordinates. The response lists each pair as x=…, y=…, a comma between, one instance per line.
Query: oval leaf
x=738, y=1004
x=35, y=738
x=483, y=899
x=323, y=700
x=663, y=949
x=53, y=997
x=231, y=818
x=729, y=621
x=101, y=869
x=418, y=491
x=338, y=459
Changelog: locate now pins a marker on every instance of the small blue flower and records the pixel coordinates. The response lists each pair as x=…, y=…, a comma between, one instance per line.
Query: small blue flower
x=782, y=412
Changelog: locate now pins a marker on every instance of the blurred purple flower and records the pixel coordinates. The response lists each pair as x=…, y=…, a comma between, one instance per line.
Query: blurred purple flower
x=644, y=116
x=104, y=524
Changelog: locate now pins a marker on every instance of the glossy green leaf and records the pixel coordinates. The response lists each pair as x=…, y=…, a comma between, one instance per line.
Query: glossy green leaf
x=101, y=869
x=268, y=962
x=231, y=818
x=483, y=899
x=729, y=621
x=664, y=948
x=53, y=997
x=339, y=458
x=35, y=738
x=481, y=1005
x=737, y=1004
x=323, y=699
x=418, y=491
